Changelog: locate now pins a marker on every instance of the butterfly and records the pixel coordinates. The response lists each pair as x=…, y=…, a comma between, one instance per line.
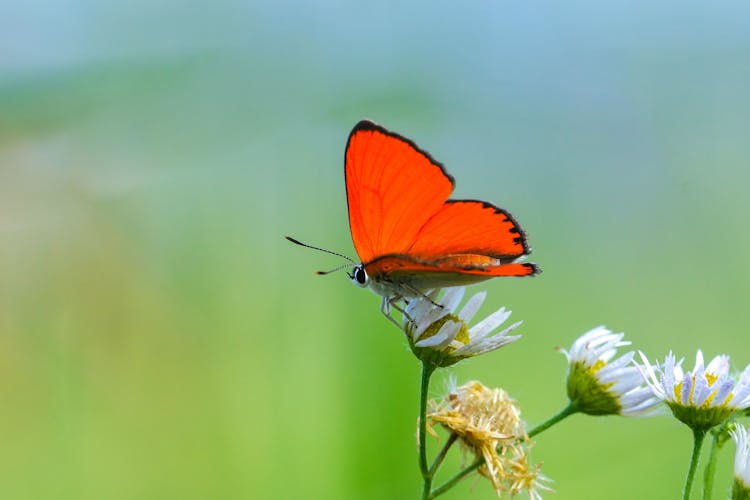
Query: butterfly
x=410, y=237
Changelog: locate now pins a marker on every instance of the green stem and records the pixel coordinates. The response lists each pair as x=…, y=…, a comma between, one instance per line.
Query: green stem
x=698, y=436
x=443, y=452
x=427, y=370
x=566, y=412
x=710, y=471
x=455, y=479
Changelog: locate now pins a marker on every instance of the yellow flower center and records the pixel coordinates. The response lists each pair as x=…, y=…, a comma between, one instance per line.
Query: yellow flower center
x=597, y=366
x=711, y=378
x=462, y=336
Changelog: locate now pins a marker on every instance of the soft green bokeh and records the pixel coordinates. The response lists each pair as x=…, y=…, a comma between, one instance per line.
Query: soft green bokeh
x=159, y=338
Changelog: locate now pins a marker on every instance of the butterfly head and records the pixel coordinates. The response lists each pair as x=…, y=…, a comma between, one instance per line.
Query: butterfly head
x=359, y=276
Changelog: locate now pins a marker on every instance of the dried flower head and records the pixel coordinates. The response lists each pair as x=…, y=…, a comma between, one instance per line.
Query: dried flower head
x=702, y=398
x=598, y=384
x=439, y=333
x=489, y=425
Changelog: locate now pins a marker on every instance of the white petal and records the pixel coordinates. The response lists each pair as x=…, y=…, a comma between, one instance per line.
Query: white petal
x=445, y=335
x=603, y=338
x=637, y=396
x=421, y=305
x=719, y=366
x=485, y=327
x=646, y=408
x=687, y=390
x=701, y=391
x=601, y=354
x=742, y=455
x=671, y=374
x=453, y=297
x=722, y=391
x=649, y=377
x=611, y=373
x=699, y=364
x=581, y=342
x=623, y=360
x=741, y=395
x=604, y=347
x=625, y=381
x=426, y=321
x=472, y=306
x=487, y=345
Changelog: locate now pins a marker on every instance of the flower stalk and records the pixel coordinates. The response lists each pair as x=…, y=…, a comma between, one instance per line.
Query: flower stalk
x=719, y=437
x=455, y=479
x=427, y=473
x=563, y=414
x=443, y=452
x=710, y=470
x=698, y=435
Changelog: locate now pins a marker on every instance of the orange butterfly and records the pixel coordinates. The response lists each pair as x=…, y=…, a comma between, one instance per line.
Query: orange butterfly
x=409, y=236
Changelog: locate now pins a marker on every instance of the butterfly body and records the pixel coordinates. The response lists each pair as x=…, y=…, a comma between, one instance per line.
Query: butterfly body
x=410, y=237
x=401, y=275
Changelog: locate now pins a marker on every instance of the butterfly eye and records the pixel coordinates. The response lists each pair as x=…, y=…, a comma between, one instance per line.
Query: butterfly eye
x=359, y=276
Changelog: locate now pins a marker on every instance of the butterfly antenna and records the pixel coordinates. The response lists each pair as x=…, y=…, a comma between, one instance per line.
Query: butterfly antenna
x=332, y=270
x=297, y=242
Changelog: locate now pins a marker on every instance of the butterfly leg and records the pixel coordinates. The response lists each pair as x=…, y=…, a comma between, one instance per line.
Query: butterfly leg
x=405, y=317
x=392, y=302
x=385, y=308
x=416, y=291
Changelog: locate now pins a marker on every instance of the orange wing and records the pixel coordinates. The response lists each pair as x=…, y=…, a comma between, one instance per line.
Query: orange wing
x=392, y=189
x=448, y=270
x=404, y=226
x=470, y=227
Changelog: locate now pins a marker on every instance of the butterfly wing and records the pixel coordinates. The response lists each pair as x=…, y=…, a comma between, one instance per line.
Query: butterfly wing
x=392, y=187
x=470, y=227
x=449, y=270
x=406, y=230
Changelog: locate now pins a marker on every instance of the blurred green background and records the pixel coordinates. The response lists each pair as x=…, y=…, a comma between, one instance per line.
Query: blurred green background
x=158, y=337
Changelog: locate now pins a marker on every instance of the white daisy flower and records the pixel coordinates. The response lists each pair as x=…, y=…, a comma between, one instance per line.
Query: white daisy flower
x=741, y=488
x=439, y=332
x=598, y=384
x=701, y=398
